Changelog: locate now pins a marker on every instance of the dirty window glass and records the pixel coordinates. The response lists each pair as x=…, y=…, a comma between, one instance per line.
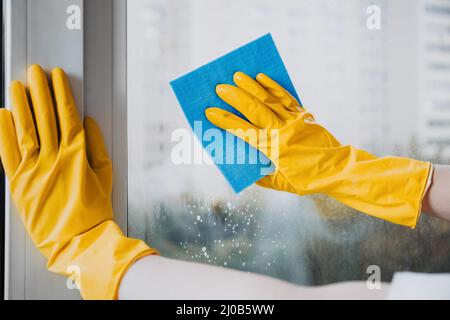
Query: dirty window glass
x=375, y=73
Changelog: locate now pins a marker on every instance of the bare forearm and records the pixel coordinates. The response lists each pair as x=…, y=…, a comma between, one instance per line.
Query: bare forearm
x=156, y=277
x=436, y=201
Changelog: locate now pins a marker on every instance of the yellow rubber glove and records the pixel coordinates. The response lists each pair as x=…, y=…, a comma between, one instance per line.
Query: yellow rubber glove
x=310, y=160
x=62, y=185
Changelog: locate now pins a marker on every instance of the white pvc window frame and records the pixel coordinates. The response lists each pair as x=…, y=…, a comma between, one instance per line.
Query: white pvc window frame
x=94, y=56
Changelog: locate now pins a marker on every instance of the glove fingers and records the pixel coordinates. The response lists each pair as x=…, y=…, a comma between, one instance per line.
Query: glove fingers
x=254, y=110
x=268, y=183
x=279, y=92
x=276, y=182
x=95, y=144
x=245, y=82
x=43, y=111
x=23, y=121
x=9, y=150
x=97, y=154
x=233, y=124
x=69, y=119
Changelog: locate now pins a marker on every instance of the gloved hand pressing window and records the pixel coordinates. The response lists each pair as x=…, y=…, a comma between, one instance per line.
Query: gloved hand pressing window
x=62, y=185
x=310, y=160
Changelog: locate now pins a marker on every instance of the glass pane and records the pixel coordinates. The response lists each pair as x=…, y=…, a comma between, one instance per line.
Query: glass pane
x=381, y=87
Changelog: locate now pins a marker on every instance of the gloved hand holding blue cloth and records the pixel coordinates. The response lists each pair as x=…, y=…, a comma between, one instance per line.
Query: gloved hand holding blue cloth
x=196, y=91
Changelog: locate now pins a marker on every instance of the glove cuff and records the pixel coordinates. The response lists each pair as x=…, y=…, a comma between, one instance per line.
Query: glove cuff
x=389, y=188
x=98, y=259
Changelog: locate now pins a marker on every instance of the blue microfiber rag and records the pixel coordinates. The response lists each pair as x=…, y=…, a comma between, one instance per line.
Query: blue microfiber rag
x=195, y=92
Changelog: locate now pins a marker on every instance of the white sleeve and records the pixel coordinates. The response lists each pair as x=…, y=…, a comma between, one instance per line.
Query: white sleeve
x=419, y=286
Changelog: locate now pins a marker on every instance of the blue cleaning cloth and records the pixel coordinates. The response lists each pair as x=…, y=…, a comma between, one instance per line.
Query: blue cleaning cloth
x=195, y=92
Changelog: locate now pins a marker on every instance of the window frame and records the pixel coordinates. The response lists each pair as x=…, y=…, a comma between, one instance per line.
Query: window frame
x=96, y=62
x=2, y=175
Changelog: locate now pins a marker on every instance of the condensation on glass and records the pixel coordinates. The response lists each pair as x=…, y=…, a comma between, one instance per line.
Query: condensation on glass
x=377, y=89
